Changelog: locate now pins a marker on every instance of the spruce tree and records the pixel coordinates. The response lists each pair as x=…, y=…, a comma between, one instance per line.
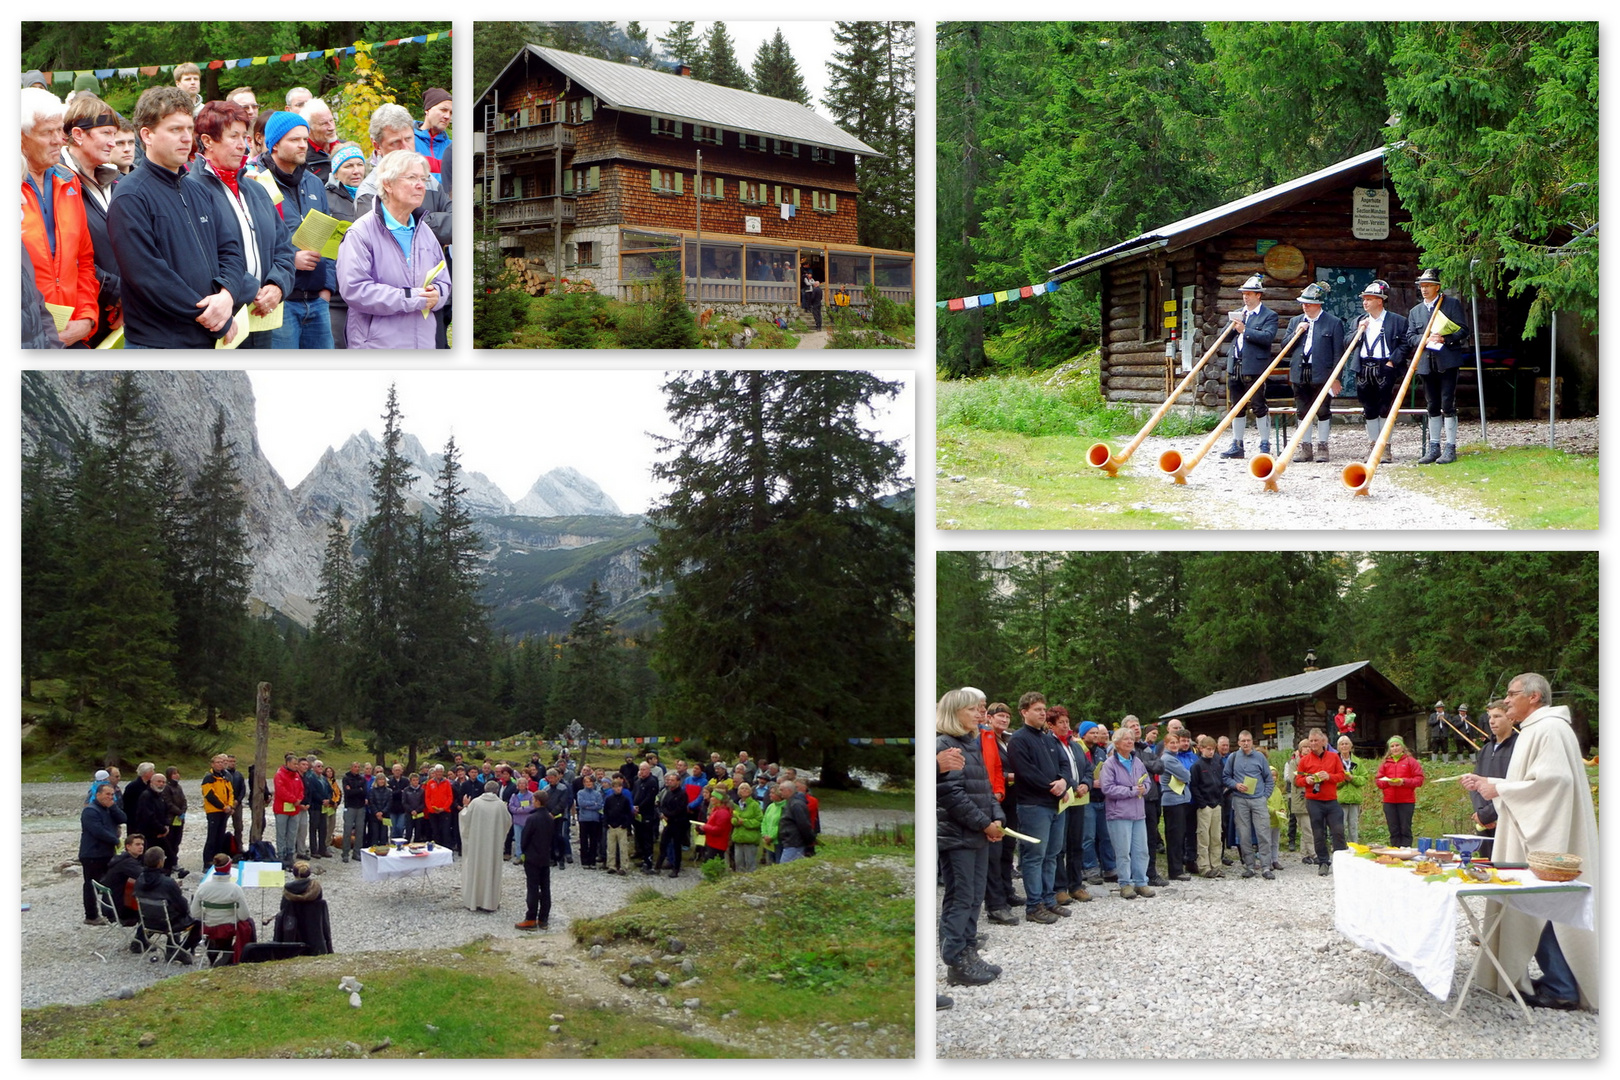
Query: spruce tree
x=45, y=540
x=776, y=72
x=331, y=654
x=718, y=63
x=787, y=618
x=210, y=619
x=681, y=44
x=119, y=621
x=640, y=50
x=588, y=683
x=872, y=94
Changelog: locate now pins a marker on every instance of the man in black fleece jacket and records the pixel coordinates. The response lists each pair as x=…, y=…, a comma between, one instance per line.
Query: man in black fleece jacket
x=1042, y=776
x=176, y=264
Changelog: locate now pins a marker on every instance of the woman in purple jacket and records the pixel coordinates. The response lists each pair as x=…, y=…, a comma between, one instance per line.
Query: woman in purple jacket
x=385, y=258
x=1124, y=781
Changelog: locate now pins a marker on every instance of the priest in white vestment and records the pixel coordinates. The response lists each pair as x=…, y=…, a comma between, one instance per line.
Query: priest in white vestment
x=1545, y=804
x=484, y=824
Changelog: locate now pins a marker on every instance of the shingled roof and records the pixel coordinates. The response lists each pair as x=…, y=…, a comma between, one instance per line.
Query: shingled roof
x=649, y=92
x=1276, y=691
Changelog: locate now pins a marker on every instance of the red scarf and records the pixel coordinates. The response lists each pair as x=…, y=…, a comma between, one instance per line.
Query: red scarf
x=228, y=179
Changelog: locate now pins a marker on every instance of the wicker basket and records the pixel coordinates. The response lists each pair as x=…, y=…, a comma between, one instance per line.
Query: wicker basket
x=1554, y=866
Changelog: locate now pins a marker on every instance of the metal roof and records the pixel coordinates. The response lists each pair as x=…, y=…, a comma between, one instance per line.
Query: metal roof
x=1190, y=230
x=647, y=92
x=1305, y=684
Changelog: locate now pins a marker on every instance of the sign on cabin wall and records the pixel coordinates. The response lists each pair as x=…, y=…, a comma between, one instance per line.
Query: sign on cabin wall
x=751, y=224
x=1369, y=214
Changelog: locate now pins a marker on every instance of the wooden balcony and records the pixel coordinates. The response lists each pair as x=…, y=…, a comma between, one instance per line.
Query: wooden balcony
x=535, y=139
x=541, y=210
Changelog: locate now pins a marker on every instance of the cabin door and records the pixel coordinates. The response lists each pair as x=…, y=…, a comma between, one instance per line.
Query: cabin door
x=1185, y=324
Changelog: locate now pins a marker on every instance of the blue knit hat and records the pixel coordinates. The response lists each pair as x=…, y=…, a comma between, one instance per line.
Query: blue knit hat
x=346, y=153
x=1085, y=726
x=280, y=123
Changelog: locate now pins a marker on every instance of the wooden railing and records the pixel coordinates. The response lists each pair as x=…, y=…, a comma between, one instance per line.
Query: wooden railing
x=541, y=210
x=551, y=136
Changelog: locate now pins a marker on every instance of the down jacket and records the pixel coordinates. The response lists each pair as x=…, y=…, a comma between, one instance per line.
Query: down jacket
x=965, y=804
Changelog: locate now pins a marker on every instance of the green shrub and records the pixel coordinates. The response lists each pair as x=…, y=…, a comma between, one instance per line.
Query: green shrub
x=574, y=319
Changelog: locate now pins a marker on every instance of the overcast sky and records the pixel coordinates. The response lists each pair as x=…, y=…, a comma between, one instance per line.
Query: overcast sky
x=512, y=426
x=812, y=44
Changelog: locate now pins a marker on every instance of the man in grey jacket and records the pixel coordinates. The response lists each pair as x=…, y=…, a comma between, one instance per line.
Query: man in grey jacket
x=1247, y=776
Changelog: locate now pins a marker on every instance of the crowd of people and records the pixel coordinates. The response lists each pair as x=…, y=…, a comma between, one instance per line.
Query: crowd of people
x=1095, y=806
x=176, y=226
x=640, y=816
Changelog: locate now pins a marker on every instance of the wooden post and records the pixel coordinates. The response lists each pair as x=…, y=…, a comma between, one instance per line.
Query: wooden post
x=261, y=755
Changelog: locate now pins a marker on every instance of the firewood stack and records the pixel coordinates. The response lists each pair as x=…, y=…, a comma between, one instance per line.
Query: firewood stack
x=533, y=276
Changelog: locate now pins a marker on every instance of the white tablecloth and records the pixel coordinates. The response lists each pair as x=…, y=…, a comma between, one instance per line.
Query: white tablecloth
x=395, y=864
x=1414, y=922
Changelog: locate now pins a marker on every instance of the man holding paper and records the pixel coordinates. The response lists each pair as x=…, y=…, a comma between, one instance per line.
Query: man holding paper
x=1041, y=778
x=177, y=263
x=217, y=173
x=305, y=322
x=1443, y=355
x=1247, y=775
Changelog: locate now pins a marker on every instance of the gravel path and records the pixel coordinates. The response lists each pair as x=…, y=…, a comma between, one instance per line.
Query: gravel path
x=1224, y=968
x=55, y=945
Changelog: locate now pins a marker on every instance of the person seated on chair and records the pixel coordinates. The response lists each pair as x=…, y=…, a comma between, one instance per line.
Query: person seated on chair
x=221, y=903
x=303, y=916
x=122, y=873
x=155, y=885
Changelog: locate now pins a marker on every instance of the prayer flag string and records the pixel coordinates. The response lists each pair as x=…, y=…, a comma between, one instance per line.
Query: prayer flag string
x=151, y=71
x=1000, y=296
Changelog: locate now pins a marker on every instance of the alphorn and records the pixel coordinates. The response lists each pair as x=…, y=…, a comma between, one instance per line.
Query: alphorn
x=1102, y=458
x=1267, y=468
x=1357, y=476
x=1171, y=462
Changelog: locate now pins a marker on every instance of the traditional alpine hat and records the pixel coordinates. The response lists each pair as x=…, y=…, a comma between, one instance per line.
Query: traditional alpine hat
x=1378, y=288
x=1439, y=704
x=1315, y=293
x=1431, y=276
x=1255, y=284
x=1462, y=708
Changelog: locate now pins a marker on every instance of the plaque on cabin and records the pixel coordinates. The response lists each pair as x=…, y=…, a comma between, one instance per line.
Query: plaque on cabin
x=1285, y=262
x=1369, y=213
x=751, y=224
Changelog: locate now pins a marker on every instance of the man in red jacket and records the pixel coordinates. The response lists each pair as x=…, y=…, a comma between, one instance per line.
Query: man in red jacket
x=289, y=800
x=54, y=228
x=1320, y=772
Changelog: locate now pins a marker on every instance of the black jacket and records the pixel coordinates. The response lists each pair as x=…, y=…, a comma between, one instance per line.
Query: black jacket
x=965, y=804
x=273, y=238
x=1397, y=349
x=1259, y=331
x=1327, y=345
x=795, y=829
x=645, y=798
x=535, y=843
x=172, y=250
x=152, y=816
x=1492, y=760
x=1455, y=352
x=354, y=791
x=301, y=192
x=672, y=808
x=617, y=812
x=1036, y=759
x=156, y=885
x=380, y=799
x=303, y=917
x=1207, y=785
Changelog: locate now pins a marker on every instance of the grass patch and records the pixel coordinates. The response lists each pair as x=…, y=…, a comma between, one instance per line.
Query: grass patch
x=1050, y=474
x=831, y=941
x=480, y=1006
x=865, y=799
x=1522, y=487
x=1064, y=403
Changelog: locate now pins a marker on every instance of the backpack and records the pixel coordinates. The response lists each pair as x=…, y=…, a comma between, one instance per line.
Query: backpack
x=261, y=851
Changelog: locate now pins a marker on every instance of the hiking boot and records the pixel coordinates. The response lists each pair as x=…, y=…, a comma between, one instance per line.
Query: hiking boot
x=1324, y=870
x=1268, y=875
x=1060, y=912
x=1156, y=880
x=1211, y=874
x=1431, y=455
x=95, y=920
x=942, y=1002
x=1081, y=895
x=1225, y=861
x=1233, y=451
x=1094, y=877
x=1004, y=917
x=1276, y=866
x=527, y=924
x=973, y=954
x=1248, y=872
x=1040, y=915
x=1063, y=897
x=1014, y=900
x=1448, y=454
x=1322, y=452
x=1389, y=455
x=1127, y=892
x=965, y=973
x=1304, y=452
x=1143, y=890
x=1265, y=446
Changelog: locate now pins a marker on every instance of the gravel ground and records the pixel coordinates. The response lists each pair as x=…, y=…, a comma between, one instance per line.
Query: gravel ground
x=387, y=915
x=1283, y=985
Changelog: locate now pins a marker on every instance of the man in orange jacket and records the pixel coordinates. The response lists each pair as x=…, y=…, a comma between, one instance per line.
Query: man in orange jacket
x=1319, y=774
x=54, y=229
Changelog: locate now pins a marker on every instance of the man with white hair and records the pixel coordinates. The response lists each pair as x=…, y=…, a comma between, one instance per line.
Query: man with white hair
x=322, y=137
x=296, y=97
x=1544, y=804
x=54, y=229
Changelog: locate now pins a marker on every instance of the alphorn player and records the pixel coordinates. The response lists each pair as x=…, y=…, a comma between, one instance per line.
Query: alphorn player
x=1442, y=356
x=1380, y=360
x=1311, y=363
x=1250, y=355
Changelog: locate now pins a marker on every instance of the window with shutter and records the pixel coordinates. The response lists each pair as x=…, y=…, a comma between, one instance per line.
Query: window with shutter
x=593, y=179
x=571, y=254
x=568, y=181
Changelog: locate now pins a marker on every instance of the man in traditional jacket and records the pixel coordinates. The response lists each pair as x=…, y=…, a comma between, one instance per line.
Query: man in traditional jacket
x=1441, y=357
x=1380, y=360
x=1311, y=363
x=1544, y=804
x=1248, y=360
x=484, y=824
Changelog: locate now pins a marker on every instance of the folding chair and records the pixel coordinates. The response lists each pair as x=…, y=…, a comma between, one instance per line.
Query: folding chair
x=220, y=936
x=108, y=910
x=156, y=923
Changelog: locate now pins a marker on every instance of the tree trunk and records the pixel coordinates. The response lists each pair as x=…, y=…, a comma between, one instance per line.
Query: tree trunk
x=833, y=773
x=261, y=756
x=212, y=722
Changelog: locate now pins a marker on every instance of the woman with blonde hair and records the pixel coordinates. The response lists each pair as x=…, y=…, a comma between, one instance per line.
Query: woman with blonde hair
x=969, y=822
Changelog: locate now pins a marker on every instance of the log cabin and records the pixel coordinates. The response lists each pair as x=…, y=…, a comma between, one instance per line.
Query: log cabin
x=606, y=170
x=1165, y=293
